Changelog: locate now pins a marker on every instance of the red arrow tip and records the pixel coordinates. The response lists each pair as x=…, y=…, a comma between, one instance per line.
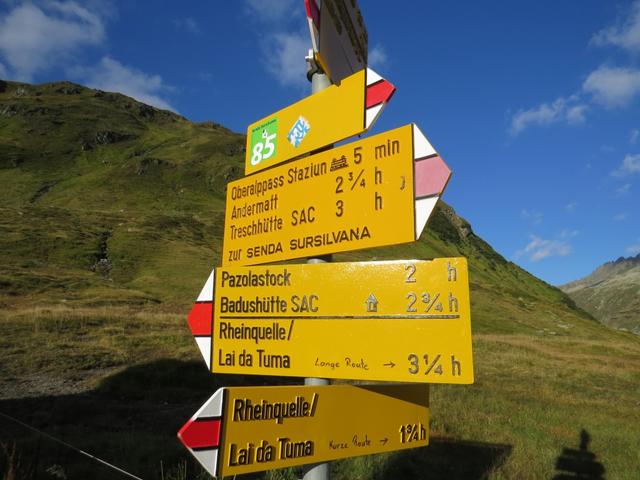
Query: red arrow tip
x=199, y=433
x=313, y=12
x=432, y=175
x=201, y=319
x=379, y=92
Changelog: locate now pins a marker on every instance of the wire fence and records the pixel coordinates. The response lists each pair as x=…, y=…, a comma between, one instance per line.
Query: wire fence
x=67, y=445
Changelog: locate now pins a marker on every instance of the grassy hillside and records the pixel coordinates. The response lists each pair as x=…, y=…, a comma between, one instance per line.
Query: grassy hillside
x=111, y=201
x=110, y=220
x=106, y=200
x=611, y=293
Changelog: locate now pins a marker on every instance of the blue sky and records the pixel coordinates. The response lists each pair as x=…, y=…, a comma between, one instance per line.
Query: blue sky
x=534, y=104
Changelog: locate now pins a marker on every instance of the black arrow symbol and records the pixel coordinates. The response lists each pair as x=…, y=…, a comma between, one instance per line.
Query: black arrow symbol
x=389, y=364
x=384, y=441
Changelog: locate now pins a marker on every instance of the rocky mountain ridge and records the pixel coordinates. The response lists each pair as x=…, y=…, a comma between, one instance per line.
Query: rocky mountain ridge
x=611, y=293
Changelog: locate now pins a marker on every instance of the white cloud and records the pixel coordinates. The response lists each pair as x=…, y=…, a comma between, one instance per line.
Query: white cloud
x=206, y=77
x=538, y=249
x=571, y=207
x=625, y=35
x=35, y=37
x=377, y=57
x=630, y=165
x=570, y=110
x=633, y=136
x=576, y=114
x=285, y=58
x=567, y=233
x=633, y=249
x=284, y=49
x=607, y=148
x=623, y=190
x=112, y=76
x=620, y=217
x=532, y=215
x=274, y=11
x=188, y=24
x=613, y=87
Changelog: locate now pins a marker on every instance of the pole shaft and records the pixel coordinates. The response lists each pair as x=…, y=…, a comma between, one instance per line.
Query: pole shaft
x=320, y=471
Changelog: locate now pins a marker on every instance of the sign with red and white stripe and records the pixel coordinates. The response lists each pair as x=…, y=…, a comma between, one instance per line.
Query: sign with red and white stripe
x=338, y=36
x=316, y=121
x=200, y=319
x=251, y=429
x=374, y=192
x=400, y=321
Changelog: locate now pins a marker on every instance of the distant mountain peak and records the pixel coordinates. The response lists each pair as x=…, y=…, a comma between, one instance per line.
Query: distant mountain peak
x=623, y=260
x=611, y=293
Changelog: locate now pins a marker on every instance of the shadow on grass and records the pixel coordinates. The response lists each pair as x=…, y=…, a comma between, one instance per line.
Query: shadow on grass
x=579, y=464
x=130, y=420
x=446, y=459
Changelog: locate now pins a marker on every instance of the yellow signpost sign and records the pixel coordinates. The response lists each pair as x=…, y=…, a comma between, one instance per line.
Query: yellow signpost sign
x=403, y=321
x=373, y=192
x=251, y=429
x=335, y=113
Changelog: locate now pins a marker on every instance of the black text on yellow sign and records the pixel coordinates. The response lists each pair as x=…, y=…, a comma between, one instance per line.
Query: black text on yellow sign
x=353, y=197
x=251, y=429
x=404, y=321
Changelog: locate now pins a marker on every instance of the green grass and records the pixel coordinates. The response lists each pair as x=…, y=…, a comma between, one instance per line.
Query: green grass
x=537, y=394
x=81, y=345
x=110, y=221
x=128, y=369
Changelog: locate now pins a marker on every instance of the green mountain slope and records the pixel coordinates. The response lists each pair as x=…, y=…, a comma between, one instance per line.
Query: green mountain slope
x=106, y=199
x=611, y=293
x=111, y=217
x=111, y=201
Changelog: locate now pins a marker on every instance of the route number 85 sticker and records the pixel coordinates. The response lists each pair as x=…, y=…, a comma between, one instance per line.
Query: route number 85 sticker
x=264, y=141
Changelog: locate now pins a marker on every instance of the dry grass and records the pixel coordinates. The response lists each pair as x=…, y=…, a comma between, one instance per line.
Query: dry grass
x=63, y=350
x=532, y=397
x=537, y=394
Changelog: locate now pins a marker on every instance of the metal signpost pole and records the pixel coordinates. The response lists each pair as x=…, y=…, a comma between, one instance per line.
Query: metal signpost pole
x=319, y=81
x=228, y=435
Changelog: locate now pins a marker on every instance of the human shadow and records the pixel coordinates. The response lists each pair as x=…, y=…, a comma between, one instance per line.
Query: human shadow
x=579, y=464
x=129, y=420
x=448, y=459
